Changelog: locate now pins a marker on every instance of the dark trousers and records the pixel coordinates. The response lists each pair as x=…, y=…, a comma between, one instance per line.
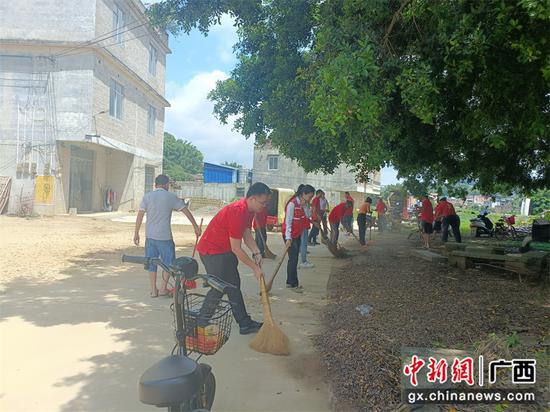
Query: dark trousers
x=224, y=266
x=362, y=223
x=334, y=232
x=313, y=233
x=347, y=222
x=381, y=223
x=259, y=232
x=454, y=222
x=292, y=265
x=324, y=222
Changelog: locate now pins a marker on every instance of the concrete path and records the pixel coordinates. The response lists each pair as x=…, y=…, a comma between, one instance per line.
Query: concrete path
x=81, y=343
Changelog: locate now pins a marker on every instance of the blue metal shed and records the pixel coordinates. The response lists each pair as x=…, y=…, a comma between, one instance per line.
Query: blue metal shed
x=214, y=173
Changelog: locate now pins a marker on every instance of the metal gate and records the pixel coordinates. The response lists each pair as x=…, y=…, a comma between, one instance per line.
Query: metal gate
x=81, y=178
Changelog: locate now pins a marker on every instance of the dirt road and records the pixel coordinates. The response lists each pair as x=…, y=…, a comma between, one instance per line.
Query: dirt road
x=77, y=327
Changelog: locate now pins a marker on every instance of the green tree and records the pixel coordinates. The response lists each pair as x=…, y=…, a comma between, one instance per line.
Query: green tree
x=386, y=190
x=233, y=164
x=541, y=201
x=181, y=158
x=445, y=91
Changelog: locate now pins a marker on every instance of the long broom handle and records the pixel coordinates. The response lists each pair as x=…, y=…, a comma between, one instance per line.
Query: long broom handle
x=265, y=302
x=321, y=231
x=264, y=241
x=197, y=240
x=270, y=283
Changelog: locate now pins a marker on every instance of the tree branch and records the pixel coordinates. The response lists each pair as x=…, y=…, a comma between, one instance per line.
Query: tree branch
x=396, y=15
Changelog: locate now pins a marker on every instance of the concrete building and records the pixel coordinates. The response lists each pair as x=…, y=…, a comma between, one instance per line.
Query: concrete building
x=275, y=170
x=81, y=104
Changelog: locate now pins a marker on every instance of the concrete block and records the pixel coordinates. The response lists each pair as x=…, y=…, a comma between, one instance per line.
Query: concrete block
x=429, y=256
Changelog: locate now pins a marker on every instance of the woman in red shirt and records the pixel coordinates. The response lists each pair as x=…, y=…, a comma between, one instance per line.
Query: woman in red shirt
x=426, y=219
x=294, y=224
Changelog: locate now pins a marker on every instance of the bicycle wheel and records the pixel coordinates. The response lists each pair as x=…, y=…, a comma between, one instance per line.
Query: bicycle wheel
x=203, y=400
x=205, y=397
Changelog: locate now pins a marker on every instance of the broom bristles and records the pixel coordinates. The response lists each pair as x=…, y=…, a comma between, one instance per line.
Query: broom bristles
x=335, y=251
x=270, y=339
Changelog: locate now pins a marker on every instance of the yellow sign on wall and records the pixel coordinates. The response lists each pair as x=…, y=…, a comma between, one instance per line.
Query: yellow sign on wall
x=43, y=190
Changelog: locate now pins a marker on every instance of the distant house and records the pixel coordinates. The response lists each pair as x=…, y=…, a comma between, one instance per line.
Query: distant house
x=219, y=182
x=276, y=170
x=214, y=173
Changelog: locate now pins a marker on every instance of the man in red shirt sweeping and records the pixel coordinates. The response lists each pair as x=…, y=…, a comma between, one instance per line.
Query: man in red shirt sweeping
x=220, y=250
x=335, y=218
x=446, y=211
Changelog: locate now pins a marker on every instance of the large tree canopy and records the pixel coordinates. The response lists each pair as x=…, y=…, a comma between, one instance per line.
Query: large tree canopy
x=181, y=158
x=443, y=90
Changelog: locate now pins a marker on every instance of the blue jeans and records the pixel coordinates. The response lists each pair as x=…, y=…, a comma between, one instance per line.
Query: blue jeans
x=303, y=246
x=163, y=249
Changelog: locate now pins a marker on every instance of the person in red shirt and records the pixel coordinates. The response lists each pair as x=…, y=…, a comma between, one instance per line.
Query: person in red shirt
x=348, y=216
x=260, y=231
x=294, y=224
x=316, y=217
x=335, y=217
x=446, y=212
x=426, y=220
x=220, y=249
x=381, y=209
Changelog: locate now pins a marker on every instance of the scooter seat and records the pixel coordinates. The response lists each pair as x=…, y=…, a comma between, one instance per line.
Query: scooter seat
x=170, y=381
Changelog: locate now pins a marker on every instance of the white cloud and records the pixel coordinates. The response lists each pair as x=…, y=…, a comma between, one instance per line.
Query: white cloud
x=226, y=35
x=191, y=118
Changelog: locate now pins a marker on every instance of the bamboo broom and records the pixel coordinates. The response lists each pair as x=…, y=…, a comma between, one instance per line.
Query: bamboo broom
x=270, y=338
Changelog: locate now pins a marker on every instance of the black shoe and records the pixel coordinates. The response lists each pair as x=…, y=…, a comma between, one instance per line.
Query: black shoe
x=251, y=327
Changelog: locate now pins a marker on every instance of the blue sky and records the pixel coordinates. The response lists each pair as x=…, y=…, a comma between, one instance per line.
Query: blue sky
x=192, y=70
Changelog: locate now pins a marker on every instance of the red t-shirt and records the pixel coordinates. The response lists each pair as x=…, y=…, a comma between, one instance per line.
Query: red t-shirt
x=315, y=208
x=349, y=211
x=445, y=209
x=337, y=213
x=260, y=220
x=380, y=208
x=231, y=221
x=427, y=211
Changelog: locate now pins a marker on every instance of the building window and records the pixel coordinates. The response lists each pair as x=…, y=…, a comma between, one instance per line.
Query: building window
x=152, y=60
x=118, y=23
x=149, y=178
x=115, y=99
x=272, y=162
x=151, y=119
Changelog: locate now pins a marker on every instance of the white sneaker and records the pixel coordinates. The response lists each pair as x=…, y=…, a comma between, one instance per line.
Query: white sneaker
x=307, y=265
